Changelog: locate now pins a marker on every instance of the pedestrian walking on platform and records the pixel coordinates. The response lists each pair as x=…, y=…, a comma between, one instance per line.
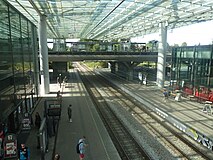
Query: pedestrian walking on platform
x=24, y=153
x=37, y=120
x=59, y=97
x=166, y=95
x=81, y=147
x=69, y=112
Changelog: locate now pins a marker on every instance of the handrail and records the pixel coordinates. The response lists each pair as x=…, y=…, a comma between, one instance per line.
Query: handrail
x=99, y=53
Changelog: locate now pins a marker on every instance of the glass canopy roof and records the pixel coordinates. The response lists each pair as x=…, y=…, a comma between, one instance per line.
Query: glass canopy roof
x=113, y=19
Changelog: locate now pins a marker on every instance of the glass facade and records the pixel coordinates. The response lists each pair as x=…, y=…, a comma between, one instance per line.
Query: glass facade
x=18, y=50
x=192, y=70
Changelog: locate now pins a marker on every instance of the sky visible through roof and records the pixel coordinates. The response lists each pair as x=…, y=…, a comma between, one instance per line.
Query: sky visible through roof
x=201, y=33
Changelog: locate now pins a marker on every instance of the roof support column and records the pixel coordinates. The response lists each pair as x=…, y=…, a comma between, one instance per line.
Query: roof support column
x=162, y=55
x=43, y=54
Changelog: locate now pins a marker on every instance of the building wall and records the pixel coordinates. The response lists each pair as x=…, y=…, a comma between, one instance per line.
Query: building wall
x=192, y=70
x=18, y=92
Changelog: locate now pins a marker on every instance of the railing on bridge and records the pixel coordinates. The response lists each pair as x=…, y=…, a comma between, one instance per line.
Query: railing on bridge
x=102, y=47
x=122, y=53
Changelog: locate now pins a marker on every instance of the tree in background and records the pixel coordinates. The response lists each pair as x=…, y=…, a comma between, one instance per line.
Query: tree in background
x=184, y=44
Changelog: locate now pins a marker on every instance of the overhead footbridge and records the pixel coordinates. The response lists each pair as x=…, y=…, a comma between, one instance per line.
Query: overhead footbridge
x=61, y=56
x=107, y=51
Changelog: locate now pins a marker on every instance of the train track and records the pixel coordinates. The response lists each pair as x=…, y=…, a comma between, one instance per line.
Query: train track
x=167, y=135
x=127, y=146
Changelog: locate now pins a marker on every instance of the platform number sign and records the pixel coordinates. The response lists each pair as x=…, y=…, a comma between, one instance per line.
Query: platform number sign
x=10, y=146
x=26, y=123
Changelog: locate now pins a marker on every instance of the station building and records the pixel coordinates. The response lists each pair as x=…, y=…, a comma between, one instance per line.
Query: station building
x=192, y=71
x=18, y=68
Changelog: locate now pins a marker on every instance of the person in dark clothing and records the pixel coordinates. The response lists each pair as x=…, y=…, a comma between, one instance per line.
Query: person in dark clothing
x=59, y=97
x=58, y=94
x=24, y=153
x=69, y=112
x=37, y=120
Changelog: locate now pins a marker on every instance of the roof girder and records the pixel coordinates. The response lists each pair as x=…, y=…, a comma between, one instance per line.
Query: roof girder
x=111, y=19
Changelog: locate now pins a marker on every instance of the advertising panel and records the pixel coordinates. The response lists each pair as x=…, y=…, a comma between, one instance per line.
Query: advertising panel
x=10, y=146
x=54, y=110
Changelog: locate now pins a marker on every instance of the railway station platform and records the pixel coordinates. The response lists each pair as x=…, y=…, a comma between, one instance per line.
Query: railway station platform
x=187, y=115
x=85, y=122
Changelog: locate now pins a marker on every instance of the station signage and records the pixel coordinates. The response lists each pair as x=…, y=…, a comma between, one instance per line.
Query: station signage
x=26, y=122
x=54, y=110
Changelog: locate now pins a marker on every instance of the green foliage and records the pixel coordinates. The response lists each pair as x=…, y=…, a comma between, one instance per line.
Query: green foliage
x=147, y=64
x=26, y=66
x=96, y=64
x=96, y=47
x=18, y=66
x=69, y=65
x=184, y=44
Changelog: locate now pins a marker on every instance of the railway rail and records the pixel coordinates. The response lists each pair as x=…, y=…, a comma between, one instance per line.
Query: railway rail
x=126, y=144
